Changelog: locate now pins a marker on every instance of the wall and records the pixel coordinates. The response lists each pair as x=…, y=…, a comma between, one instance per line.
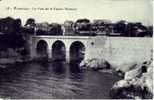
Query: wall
x=119, y=50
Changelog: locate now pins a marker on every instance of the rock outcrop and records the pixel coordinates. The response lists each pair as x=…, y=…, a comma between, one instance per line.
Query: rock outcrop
x=122, y=69
x=137, y=83
x=95, y=64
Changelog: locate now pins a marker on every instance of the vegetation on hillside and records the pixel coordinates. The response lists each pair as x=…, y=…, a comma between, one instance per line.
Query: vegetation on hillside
x=12, y=33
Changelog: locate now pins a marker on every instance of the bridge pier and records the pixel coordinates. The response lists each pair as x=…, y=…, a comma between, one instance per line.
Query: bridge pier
x=49, y=53
x=32, y=52
x=67, y=55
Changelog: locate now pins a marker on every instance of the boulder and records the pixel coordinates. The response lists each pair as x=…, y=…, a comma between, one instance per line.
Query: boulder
x=133, y=73
x=137, y=83
x=84, y=63
x=147, y=79
x=138, y=70
x=132, y=69
x=95, y=64
x=122, y=69
x=120, y=89
x=125, y=89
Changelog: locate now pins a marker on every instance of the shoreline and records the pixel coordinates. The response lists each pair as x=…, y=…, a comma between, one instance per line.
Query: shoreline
x=136, y=78
x=128, y=77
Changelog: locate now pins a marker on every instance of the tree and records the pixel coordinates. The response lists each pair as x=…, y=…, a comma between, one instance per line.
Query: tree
x=30, y=26
x=55, y=29
x=30, y=22
x=7, y=25
x=120, y=27
x=17, y=26
x=142, y=30
x=82, y=27
x=150, y=31
x=11, y=29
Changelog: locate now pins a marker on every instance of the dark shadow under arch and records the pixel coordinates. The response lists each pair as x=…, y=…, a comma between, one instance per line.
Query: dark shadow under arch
x=42, y=48
x=77, y=51
x=58, y=51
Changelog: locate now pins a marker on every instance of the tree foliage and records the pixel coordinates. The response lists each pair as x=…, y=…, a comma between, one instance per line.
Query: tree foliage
x=11, y=33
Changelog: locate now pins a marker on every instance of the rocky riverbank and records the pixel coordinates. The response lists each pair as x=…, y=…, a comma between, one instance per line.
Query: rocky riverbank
x=11, y=56
x=137, y=79
x=95, y=64
x=7, y=62
x=137, y=82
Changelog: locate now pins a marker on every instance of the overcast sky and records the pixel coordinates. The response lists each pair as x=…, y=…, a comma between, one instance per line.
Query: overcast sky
x=114, y=10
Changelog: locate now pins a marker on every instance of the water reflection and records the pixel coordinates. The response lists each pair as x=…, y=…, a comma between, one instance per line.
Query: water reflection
x=58, y=67
x=74, y=67
x=54, y=80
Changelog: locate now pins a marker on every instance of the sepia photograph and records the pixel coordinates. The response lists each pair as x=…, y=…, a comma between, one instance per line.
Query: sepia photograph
x=81, y=49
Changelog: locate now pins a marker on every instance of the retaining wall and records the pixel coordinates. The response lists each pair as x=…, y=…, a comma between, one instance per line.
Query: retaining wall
x=120, y=50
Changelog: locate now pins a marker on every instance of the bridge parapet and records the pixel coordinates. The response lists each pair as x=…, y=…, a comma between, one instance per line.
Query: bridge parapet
x=62, y=37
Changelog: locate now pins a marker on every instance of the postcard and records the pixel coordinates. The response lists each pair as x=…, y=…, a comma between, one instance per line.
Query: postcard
x=76, y=49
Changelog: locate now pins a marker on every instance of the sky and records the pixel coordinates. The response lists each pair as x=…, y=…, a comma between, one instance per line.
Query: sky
x=114, y=10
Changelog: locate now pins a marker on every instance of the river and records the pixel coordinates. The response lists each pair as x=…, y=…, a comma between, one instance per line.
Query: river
x=56, y=80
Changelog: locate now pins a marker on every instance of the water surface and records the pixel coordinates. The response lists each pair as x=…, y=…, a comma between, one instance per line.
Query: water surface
x=56, y=80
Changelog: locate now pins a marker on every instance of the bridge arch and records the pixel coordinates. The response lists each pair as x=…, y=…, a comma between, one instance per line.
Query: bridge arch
x=42, y=48
x=77, y=51
x=58, y=50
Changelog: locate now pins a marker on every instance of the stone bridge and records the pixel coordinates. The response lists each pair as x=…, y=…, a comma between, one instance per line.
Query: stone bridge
x=50, y=44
